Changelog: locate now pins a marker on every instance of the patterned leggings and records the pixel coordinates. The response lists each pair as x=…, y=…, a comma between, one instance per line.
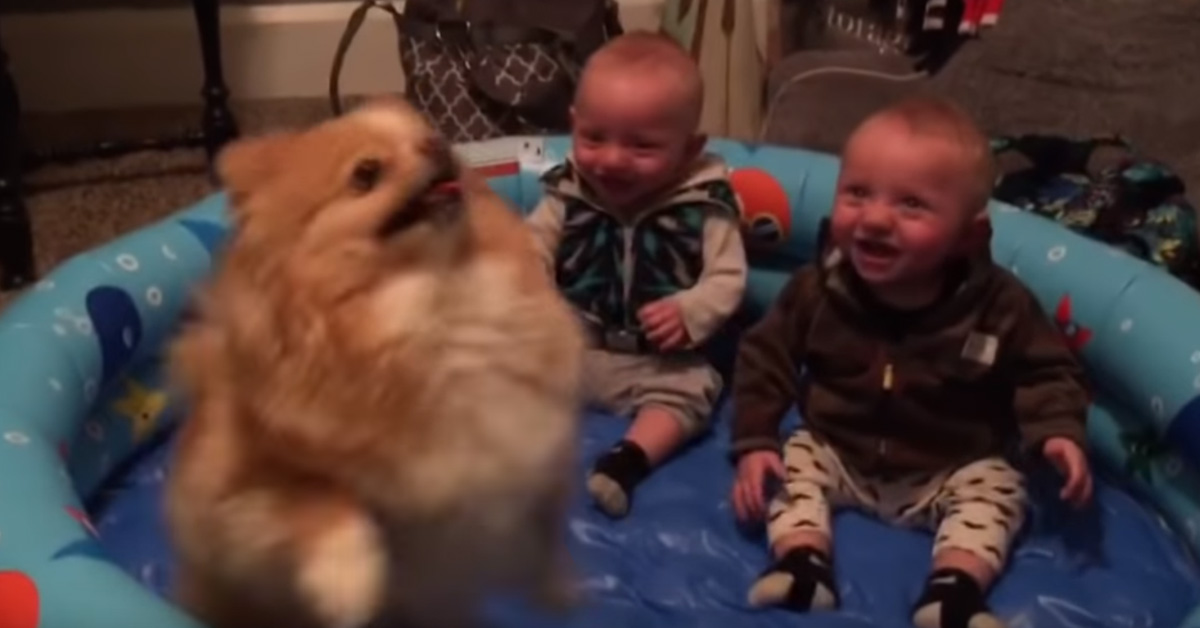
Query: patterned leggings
x=977, y=507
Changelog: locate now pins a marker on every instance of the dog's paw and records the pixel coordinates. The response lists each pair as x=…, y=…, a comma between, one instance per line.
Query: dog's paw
x=344, y=573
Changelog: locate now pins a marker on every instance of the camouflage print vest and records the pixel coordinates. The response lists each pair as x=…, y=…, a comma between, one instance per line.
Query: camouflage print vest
x=608, y=269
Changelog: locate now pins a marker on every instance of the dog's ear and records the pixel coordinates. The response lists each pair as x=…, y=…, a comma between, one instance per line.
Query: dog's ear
x=248, y=164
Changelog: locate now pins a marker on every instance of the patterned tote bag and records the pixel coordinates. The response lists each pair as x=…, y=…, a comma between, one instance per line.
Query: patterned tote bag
x=487, y=68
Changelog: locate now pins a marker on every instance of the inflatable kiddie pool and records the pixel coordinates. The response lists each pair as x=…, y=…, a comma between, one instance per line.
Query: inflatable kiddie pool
x=86, y=424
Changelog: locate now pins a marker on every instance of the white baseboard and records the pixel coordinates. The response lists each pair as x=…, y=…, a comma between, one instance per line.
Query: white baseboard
x=121, y=58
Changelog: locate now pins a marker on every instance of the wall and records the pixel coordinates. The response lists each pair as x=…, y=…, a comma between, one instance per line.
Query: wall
x=123, y=57
x=59, y=6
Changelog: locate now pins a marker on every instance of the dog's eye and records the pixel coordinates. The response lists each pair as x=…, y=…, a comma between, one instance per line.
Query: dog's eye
x=366, y=175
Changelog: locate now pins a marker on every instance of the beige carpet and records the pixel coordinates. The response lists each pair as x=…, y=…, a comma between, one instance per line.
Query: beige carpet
x=76, y=207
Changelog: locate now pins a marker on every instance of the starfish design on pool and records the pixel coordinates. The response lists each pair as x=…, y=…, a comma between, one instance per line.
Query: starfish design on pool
x=142, y=407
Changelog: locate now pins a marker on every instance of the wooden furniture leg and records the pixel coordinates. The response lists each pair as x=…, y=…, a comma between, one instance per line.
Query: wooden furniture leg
x=218, y=124
x=217, y=127
x=16, y=233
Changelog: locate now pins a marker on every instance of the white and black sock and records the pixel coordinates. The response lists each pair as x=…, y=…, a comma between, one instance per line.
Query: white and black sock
x=953, y=599
x=800, y=581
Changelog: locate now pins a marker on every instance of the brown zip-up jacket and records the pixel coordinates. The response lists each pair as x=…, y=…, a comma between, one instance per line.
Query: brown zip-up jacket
x=980, y=370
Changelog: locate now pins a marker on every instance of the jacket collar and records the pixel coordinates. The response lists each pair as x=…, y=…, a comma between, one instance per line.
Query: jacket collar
x=848, y=291
x=706, y=180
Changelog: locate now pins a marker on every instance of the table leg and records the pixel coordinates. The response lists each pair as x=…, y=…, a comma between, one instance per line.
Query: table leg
x=218, y=124
x=16, y=233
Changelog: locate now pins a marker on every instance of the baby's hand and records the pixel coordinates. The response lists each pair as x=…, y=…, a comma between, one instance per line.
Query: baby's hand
x=1072, y=463
x=663, y=322
x=749, y=499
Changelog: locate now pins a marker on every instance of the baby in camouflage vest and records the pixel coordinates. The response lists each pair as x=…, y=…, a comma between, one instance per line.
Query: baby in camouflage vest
x=640, y=228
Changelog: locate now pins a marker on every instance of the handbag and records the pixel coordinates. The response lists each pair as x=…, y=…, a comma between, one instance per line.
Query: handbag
x=481, y=69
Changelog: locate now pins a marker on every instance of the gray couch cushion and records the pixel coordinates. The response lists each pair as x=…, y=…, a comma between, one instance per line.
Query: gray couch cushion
x=1071, y=67
x=818, y=96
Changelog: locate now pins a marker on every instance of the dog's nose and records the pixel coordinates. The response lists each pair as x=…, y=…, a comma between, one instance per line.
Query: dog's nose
x=439, y=151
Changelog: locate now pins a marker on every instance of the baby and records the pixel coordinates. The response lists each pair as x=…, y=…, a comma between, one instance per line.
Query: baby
x=640, y=228
x=924, y=361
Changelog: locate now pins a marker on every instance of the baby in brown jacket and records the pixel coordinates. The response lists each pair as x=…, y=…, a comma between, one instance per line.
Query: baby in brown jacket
x=923, y=361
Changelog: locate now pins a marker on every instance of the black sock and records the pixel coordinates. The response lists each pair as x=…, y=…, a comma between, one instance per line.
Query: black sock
x=625, y=466
x=801, y=581
x=952, y=599
x=626, y=463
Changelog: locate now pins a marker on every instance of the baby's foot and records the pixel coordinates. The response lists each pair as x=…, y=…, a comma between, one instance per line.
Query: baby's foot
x=800, y=581
x=952, y=599
x=615, y=476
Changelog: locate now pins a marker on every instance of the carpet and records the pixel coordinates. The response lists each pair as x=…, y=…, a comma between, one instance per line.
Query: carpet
x=75, y=207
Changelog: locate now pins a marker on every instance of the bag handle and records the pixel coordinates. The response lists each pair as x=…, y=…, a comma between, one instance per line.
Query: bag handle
x=611, y=28
x=357, y=17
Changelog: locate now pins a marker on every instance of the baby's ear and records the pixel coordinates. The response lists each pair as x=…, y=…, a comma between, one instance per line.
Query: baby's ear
x=247, y=164
x=696, y=144
x=978, y=234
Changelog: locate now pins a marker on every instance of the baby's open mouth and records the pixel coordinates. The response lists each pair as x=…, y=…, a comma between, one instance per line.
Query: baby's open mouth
x=876, y=248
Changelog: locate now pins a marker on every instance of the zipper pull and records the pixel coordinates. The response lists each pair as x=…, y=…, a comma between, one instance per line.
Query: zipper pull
x=888, y=376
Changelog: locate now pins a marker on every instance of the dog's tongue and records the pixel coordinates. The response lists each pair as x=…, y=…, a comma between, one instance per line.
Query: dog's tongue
x=447, y=188
x=444, y=192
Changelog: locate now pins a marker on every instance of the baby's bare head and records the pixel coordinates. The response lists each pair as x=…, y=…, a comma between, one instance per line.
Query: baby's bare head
x=635, y=118
x=650, y=66
x=930, y=118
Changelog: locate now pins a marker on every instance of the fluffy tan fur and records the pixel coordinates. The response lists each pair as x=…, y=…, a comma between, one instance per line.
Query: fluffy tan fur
x=383, y=423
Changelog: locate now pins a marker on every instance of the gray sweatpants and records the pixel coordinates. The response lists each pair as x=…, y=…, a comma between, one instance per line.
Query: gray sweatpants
x=685, y=385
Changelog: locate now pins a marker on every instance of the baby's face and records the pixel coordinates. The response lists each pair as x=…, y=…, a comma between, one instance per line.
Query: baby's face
x=629, y=137
x=902, y=205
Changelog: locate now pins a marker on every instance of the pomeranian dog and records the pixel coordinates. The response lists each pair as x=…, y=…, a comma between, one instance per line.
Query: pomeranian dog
x=384, y=390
